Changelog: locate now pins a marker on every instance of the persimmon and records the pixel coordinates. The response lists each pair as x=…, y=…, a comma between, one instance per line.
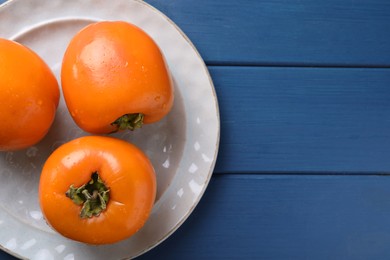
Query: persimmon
x=115, y=77
x=97, y=189
x=29, y=96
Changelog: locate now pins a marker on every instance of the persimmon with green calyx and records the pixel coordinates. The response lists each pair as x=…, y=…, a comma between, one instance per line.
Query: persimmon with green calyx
x=97, y=189
x=29, y=96
x=114, y=77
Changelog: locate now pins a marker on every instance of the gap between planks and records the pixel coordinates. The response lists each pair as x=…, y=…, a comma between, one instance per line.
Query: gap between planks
x=296, y=65
x=303, y=174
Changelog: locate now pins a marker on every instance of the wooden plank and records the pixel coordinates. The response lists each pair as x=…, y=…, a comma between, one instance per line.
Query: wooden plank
x=285, y=32
x=303, y=119
x=298, y=32
x=286, y=217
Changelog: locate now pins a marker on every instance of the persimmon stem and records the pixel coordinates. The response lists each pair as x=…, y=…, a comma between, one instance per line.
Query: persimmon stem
x=92, y=196
x=129, y=122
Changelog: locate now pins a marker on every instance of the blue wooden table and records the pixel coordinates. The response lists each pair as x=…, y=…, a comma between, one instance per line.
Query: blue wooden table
x=304, y=95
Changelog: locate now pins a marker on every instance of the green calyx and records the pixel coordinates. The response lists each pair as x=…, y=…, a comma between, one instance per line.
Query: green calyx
x=92, y=196
x=129, y=122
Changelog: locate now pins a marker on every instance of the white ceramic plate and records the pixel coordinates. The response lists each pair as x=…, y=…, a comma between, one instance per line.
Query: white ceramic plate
x=182, y=147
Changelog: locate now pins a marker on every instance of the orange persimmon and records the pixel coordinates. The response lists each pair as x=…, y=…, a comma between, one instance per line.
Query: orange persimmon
x=114, y=77
x=29, y=96
x=97, y=189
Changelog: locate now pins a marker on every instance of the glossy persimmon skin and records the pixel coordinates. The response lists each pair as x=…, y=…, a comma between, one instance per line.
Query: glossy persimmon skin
x=29, y=96
x=113, y=68
x=125, y=170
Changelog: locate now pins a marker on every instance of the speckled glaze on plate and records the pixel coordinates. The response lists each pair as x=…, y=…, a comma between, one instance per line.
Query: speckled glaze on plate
x=182, y=147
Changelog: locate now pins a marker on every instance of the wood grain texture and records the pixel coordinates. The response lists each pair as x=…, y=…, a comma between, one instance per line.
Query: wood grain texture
x=303, y=119
x=286, y=217
x=297, y=32
x=283, y=32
